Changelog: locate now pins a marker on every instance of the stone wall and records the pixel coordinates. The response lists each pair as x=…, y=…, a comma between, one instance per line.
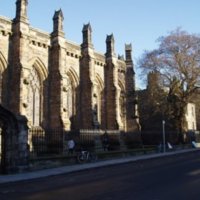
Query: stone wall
x=14, y=142
x=97, y=83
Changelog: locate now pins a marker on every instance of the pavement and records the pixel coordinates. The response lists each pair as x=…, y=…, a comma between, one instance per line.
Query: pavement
x=79, y=167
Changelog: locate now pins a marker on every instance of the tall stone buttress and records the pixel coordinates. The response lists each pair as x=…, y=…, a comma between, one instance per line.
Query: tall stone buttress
x=132, y=123
x=111, y=86
x=58, y=116
x=87, y=75
x=56, y=83
x=18, y=60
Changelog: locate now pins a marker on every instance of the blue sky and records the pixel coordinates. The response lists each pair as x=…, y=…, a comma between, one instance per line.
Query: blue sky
x=139, y=22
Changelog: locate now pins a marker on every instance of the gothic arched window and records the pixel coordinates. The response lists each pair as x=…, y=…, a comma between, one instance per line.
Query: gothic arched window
x=97, y=102
x=34, y=98
x=70, y=98
x=122, y=106
x=97, y=105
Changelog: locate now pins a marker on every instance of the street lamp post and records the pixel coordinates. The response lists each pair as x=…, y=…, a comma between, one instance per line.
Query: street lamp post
x=163, y=136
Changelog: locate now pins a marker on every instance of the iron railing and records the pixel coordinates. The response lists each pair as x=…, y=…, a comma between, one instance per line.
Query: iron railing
x=54, y=141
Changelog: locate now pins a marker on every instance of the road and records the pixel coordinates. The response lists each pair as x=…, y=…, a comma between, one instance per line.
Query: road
x=170, y=178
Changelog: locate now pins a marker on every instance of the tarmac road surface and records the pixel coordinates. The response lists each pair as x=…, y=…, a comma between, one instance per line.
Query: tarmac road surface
x=175, y=177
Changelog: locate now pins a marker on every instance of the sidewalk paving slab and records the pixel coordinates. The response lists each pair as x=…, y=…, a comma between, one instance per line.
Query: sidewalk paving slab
x=79, y=167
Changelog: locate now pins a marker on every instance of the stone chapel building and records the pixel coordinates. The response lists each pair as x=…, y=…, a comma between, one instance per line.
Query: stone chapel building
x=58, y=84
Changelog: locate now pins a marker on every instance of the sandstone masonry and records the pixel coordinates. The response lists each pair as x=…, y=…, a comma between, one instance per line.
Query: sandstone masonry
x=58, y=84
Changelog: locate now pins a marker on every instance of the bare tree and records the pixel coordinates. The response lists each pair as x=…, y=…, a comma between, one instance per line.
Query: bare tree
x=177, y=59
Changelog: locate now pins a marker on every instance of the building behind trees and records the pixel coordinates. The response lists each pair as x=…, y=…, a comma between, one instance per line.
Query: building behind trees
x=154, y=108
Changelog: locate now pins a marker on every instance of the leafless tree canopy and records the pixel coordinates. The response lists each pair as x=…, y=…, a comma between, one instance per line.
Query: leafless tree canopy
x=178, y=61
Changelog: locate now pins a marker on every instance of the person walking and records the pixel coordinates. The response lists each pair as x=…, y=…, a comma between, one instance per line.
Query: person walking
x=71, y=146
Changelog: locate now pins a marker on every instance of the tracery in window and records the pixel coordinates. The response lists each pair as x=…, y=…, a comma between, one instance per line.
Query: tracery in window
x=70, y=98
x=34, y=98
x=97, y=102
x=96, y=106
x=122, y=106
